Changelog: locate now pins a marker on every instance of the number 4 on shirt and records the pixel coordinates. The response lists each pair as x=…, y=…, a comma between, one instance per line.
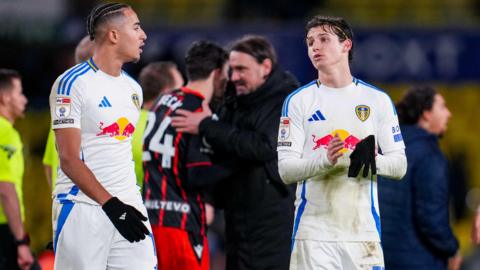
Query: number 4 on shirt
x=166, y=148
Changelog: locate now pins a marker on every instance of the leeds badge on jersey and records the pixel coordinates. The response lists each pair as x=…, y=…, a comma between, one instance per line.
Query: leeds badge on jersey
x=363, y=112
x=136, y=101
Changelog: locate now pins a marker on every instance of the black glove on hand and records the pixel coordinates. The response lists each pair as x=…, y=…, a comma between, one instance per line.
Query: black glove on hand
x=126, y=219
x=363, y=156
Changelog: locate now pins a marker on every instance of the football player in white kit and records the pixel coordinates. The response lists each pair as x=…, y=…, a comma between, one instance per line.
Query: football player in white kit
x=99, y=221
x=337, y=223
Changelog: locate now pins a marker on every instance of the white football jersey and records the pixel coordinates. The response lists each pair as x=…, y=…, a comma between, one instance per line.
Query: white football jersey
x=331, y=206
x=106, y=109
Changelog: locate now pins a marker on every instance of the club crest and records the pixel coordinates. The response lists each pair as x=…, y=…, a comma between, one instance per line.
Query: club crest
x=136, y=101
x=363, y=112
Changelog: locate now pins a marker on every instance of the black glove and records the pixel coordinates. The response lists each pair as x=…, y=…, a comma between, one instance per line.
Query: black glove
x=363, y=156
x=126, y=219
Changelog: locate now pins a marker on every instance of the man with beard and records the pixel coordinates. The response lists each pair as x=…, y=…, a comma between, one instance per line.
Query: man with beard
x=258, y=206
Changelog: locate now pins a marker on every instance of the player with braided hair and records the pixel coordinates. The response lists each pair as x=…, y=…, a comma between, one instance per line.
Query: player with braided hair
x=99, y=221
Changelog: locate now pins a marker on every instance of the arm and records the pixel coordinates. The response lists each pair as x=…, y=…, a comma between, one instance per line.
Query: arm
x=67, y=128
x=68, y=141
x=48, y=156
x=66, y=115
x=430, y=204
x=253, y=145
x=245, y=144
x=11, y=207
x=200, y=170
x=292, y=166
x=48, y=174
x=392, y=164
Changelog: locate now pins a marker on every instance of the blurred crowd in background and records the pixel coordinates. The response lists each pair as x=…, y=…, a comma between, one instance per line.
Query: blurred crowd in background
x=397, y=44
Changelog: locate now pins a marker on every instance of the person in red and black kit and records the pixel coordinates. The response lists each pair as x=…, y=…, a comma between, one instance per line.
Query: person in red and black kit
x=177, y=166
x=258, y=206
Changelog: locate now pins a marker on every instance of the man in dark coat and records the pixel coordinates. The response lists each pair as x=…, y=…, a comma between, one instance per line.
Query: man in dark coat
x=258, y=206
x=416, y=233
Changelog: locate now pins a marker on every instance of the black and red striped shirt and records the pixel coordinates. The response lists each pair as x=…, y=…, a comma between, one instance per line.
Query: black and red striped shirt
x=177, y=166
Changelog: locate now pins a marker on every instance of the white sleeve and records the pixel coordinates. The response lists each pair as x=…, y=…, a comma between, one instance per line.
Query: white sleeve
x=292, y=167
x=392, y=162
x=66, y=104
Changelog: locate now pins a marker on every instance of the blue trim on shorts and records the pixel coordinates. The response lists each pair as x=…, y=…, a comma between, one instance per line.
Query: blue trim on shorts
x=378, y=268
x=66, y=209
x=154, y=250
x=375, y=215
x=301, y=208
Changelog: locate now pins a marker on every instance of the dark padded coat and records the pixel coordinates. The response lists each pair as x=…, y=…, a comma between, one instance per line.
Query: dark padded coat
x=416, y=233
x=258, y=206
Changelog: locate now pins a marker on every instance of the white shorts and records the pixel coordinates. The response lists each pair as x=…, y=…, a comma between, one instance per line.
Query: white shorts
x=85, y=238
x=318, y=255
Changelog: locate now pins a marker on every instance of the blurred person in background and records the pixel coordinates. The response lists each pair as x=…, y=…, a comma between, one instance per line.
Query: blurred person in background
x=258, y=207
x=99, y=220
x=416, y=232
x=14, y=240
x=476, y=228
x=83, y=52
x=177, y=166
x=155, y=79
x=329, y=131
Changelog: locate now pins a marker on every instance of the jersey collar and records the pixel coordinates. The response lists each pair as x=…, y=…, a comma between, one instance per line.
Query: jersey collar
x=193, y=92
x=92, y=64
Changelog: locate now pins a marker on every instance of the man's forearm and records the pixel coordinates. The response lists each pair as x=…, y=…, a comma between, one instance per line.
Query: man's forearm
x=245, y=144
x=392, y=165
x=11, y=207
x=83, y=177
x=296, y=169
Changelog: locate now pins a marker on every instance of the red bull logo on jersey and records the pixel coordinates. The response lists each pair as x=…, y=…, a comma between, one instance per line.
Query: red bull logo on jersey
x=349, y=140
x=120, y=129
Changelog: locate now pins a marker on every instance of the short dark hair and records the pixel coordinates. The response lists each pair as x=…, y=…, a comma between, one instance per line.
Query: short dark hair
x=336, y=25
x=415, y=101
x=156, y=77
x=6, y=78
x=202, y=58
x=256, y=46
x=102, y=14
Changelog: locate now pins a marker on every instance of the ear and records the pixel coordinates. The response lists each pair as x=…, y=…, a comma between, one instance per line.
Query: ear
x=266, y=67
x=214, y=74
x=426, y=116
x=347, y=45
x=113, y=36
x=4, y=97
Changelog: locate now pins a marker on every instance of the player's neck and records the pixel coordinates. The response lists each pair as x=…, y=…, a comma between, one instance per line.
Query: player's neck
x=106, y=61
x=335, y=77
x=204, y=87
x=5, y=113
